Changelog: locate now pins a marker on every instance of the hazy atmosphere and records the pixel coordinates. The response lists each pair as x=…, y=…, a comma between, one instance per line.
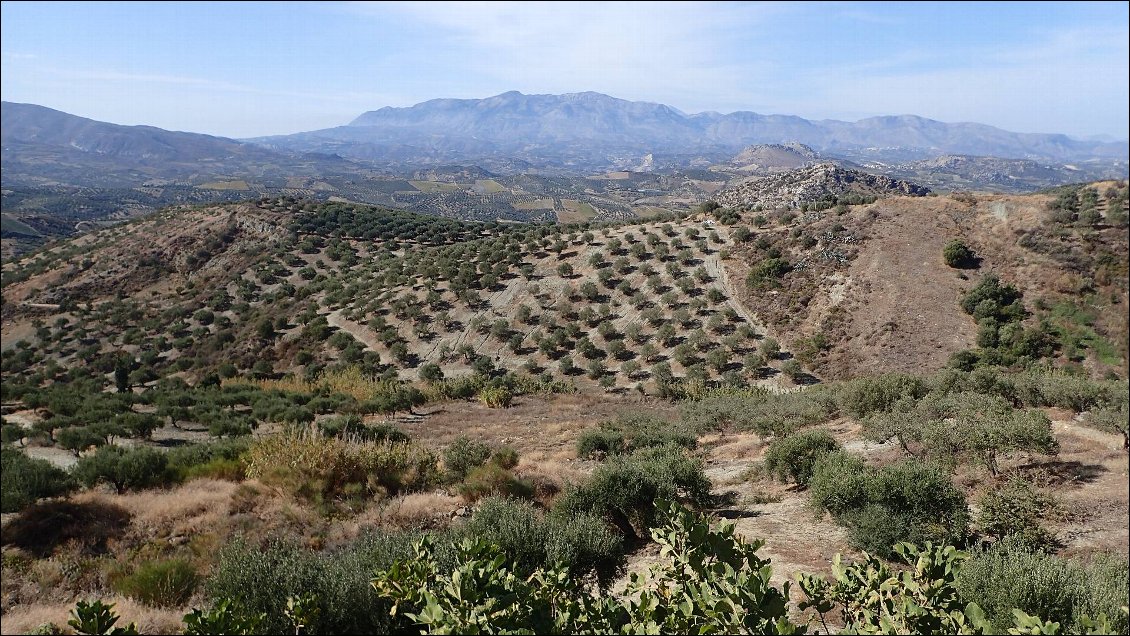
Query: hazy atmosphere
x=250, y=69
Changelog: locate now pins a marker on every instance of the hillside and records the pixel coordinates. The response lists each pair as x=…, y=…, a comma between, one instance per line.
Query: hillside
x=227, y=390
x=618, y=306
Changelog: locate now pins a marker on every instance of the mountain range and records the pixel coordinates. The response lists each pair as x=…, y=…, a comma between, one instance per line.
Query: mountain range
x=577, y=134
x=592, y=128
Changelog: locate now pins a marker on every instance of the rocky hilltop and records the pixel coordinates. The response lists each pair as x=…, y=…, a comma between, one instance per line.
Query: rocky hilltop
x=820, y=181
x=767, y=158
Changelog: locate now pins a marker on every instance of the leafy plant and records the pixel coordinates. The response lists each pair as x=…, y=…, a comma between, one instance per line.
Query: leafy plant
x=224, y=617
x=98, y=618
x=711, y=581
x=875, y=599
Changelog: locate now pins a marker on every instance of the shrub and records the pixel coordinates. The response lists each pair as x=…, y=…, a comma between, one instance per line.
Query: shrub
x=221, y=459
x=759, y=411
x=708, y=581
x=1012, y=575
x=1042, y=388
x=124, y=469
x=505, y=457
x=463, y=455
x=24, y=480
x=768, y=272
x=159, y=583
x=514, y=526
x=496, y=397
x=597, y=443
x=793, y=457
x=492, y=479
x=260, y=579
x=624, y=489
x=585, y=544
x=880, y=393
x=991, y=299
x=1014, y=510
x=958, y=254
x=319, y=468
x=627, y=433
x=875, y=598
x=907, y=501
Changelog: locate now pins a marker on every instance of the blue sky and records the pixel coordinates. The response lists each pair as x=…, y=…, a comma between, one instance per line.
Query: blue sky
x=247, y=69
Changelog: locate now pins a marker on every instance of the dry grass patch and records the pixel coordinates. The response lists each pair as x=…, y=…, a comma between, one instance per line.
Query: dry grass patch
x=24, y=619
x=197, y=506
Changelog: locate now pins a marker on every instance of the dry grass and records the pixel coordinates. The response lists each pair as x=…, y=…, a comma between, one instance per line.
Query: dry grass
x=23, y=619
x=416, y=510
x=198, y=506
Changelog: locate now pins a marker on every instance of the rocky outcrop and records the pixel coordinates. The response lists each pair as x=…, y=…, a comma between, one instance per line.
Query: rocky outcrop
x=821, y=181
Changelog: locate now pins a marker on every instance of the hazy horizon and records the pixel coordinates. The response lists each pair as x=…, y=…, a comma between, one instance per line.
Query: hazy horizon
x=254, y=69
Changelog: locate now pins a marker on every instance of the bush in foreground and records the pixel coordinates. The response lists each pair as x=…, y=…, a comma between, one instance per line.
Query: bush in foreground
x=24, y=480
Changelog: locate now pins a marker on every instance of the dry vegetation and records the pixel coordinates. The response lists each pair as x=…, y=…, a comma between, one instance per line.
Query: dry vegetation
x=362, y=376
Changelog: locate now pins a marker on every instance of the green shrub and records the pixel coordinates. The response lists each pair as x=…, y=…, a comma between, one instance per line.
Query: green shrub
x=463, y=455
x=351, y=426
x=630, y=432
x=505, y=457
x=596, y=443
x=260, y=578
x=513, y=525
x=708, y=581
x=1013, y=575
x=907, y=501
x=159, y=583
x=863, y=397
x=624, y=489
x=964, y=426
x=872, y=597
x=583, y=544
x=758, y=410
x=24, y=480
x=768, y=272
x=220, y=459
x=124, y=469
x=794, y=457
x=991, y=299
x=958, y=254
x=496, y=397
x=1014, y=510
x=1078, y=393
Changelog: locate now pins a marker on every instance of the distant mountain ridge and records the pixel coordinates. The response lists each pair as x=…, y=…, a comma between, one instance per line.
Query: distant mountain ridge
x=40, y=145
x=553, y=128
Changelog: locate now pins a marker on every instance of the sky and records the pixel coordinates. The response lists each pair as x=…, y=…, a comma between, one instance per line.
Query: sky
x=249, y=69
